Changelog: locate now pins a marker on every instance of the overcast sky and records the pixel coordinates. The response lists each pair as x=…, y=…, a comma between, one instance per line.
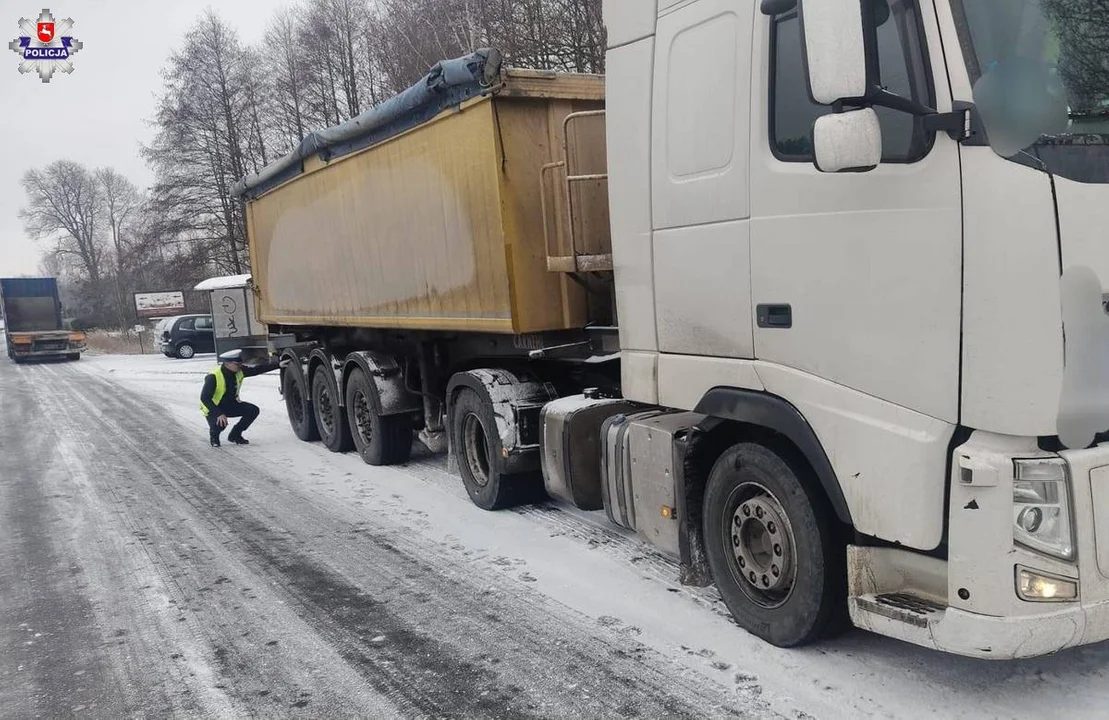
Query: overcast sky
x=99, y=114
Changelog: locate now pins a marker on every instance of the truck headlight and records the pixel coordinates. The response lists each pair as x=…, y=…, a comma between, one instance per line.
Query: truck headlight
x=1041, y=507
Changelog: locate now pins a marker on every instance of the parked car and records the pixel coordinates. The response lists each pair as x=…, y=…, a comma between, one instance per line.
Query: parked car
x=186, y=335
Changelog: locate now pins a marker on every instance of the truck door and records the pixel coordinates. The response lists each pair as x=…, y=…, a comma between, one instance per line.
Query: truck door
x=858, y=275
x=700, y=171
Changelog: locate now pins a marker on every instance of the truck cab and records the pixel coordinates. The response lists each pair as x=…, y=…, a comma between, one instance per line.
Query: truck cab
x=877, y=235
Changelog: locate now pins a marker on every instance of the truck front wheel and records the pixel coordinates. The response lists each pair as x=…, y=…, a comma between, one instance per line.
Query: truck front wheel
x=379, y=439
x=773, y=547
x=301, y=417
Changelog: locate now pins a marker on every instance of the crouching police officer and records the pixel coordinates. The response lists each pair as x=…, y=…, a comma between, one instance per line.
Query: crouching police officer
x=219, y=399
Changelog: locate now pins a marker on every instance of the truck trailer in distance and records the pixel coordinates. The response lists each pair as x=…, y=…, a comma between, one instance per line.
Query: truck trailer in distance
x=784, y=293
x=33, y=324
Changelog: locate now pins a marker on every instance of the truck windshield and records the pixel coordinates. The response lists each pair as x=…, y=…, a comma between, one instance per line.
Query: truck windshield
x=1040, y=70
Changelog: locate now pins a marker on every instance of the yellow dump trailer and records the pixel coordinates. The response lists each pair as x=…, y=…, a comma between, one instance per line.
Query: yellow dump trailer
x=458, y=223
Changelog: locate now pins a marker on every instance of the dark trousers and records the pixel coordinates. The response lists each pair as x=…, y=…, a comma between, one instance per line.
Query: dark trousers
x=244, y=410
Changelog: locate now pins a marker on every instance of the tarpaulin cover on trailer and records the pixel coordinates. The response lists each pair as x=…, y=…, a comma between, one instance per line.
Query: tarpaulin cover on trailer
x=448, y=84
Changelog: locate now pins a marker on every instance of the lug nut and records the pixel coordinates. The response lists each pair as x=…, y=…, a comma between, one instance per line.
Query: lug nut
x=758, y=512
x=772, y=527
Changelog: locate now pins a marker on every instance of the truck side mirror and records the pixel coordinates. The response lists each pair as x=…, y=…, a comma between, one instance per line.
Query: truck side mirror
x=839, y=73
x=835, y=49
x=847, y=141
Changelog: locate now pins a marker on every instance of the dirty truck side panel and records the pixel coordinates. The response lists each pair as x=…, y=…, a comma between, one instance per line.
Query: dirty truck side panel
x=421, y=232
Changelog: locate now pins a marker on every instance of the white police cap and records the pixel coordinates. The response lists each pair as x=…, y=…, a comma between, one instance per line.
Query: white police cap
x=231, y=356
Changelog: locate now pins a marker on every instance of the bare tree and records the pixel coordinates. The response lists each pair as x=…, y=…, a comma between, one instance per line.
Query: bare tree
x=64, y=204
x=286, y=67
x=121, y=202
x=209, y=136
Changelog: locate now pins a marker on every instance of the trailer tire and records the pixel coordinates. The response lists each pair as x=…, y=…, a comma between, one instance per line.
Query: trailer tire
x=379, y=439
x=476, y=444
x=297, y=404
x=776, y=554
x=73, y=357
x=331, y=418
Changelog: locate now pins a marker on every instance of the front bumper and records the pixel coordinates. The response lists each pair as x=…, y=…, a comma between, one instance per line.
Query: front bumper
x=42, y=350
x=997, y=638
x=983, y=615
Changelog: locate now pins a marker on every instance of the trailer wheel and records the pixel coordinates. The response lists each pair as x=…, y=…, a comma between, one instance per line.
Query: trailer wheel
x=773, y=547
x=301, y=417
x=73, y=356
x=379, y=439
x=476, y=444
x=331, y=420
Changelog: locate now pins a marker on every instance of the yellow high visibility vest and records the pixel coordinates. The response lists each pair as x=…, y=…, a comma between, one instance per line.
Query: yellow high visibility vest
x=221, y=387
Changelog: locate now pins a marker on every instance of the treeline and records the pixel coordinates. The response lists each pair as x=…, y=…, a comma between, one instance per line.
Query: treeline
x=227, y=108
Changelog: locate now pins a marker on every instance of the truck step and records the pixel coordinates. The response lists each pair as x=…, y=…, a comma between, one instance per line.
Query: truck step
x=903, y=607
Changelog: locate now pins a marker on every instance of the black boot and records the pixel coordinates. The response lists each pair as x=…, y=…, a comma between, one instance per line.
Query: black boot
x=238, y=439
x=214, y=439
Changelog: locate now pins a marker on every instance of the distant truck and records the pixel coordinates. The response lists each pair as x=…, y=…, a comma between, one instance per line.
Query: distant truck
x=32, y=320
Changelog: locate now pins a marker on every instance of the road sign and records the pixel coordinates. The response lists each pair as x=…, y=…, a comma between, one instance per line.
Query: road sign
x=159, y=304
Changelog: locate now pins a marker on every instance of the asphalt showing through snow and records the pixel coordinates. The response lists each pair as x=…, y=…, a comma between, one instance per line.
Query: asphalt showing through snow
x=160, y=576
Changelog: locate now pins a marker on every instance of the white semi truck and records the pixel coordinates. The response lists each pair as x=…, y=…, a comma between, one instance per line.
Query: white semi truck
x=844, y=352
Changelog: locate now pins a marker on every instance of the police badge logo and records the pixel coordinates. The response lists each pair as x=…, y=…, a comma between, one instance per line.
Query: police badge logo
x=46, y=46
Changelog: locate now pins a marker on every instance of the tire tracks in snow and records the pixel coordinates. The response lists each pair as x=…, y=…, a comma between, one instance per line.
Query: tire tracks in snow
x=436, y=635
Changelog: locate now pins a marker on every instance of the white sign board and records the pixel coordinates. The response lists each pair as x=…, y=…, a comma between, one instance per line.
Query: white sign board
x=159, y=304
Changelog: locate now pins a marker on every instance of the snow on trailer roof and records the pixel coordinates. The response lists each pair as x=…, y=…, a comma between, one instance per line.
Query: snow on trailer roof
x=449, y=84
x=227, y=282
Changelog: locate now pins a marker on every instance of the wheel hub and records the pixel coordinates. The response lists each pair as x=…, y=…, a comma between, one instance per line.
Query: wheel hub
x=763, y=545
x=296, y=404
x=473, y=448
x=324, y=405
x=363, y=421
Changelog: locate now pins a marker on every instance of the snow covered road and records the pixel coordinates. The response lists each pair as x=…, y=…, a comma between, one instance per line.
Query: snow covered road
x=144, y=573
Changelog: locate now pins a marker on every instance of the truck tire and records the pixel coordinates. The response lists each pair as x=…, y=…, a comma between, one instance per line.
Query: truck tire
x=73, y=356
x=476, y=444
x=379, y=439
x=301, y=417
x=775, y=551
x=331, y=418
x=185, y=351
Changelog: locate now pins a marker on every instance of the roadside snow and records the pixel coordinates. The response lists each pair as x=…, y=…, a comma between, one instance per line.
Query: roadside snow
x=579, y=561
